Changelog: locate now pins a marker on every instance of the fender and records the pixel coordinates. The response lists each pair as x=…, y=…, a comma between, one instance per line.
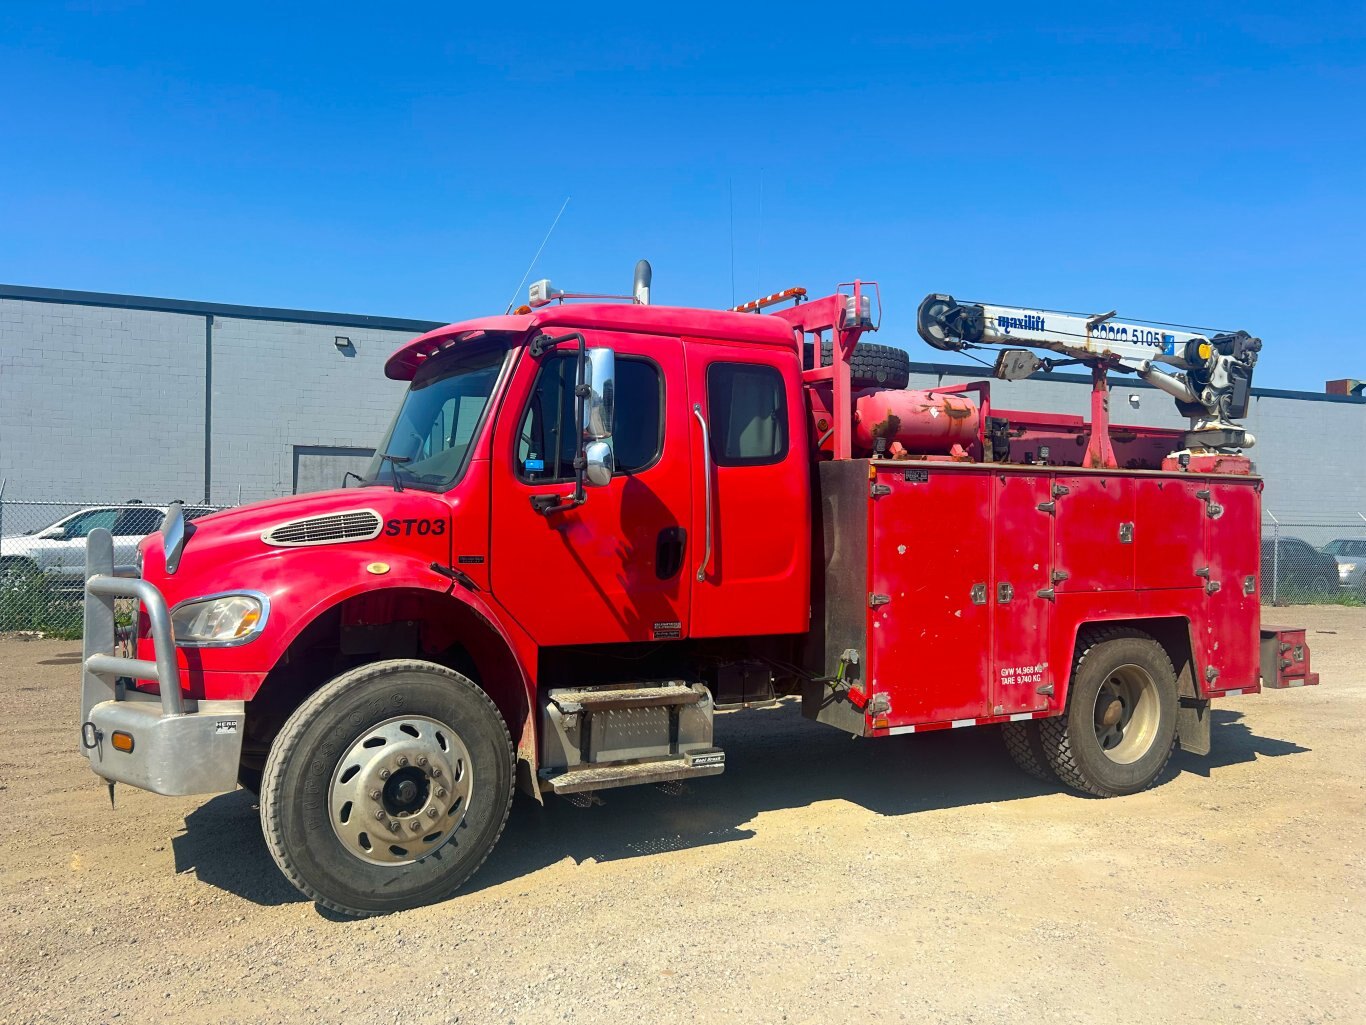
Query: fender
x=412, y=575
x=404, y=573
x=1143, y=611
x=303, y=584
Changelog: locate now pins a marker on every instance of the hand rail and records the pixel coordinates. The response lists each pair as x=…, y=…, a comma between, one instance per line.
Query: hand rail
x=706, y=489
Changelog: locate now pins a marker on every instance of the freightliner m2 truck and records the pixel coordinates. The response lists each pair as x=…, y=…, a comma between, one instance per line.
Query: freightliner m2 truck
x=594, y=523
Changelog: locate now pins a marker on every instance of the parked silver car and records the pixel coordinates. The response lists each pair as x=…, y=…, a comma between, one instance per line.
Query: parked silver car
x=1350, y=554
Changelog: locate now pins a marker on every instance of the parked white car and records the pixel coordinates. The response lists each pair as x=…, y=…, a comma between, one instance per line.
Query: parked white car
x=57, y=551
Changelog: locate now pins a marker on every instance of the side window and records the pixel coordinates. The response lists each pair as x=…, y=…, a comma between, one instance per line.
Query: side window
x=82, y=525
x=747, y=412
x=547, y=440
x=136, y=522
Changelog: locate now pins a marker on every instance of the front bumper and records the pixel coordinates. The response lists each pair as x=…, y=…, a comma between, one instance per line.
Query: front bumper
x=179, y=747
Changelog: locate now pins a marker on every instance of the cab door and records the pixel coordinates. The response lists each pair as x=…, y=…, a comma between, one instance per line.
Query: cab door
x=614, y=568
x=750, y=562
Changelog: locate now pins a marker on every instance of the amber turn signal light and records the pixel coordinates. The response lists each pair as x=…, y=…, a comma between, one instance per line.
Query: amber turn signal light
x=122, y=741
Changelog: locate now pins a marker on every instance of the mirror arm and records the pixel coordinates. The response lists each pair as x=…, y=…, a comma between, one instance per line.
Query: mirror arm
x=548, y=504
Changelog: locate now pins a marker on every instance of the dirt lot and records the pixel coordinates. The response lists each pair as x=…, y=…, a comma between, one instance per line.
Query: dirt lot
x=821, y=879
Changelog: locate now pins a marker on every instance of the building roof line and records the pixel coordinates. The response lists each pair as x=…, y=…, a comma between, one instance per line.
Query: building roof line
x=194, y=308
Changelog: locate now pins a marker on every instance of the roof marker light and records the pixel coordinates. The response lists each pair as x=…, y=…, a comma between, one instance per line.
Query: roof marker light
x=756, y=305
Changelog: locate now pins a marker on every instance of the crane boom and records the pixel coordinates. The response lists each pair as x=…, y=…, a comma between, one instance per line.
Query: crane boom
x=1212, y=381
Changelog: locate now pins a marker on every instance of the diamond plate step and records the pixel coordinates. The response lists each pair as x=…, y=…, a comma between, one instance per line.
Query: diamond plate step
x=709, y=762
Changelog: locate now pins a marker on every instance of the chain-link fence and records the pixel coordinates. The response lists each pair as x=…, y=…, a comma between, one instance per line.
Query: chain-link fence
x=42, y=557
x=1313, y=562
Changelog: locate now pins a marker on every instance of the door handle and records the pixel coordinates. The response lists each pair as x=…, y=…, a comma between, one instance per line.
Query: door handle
x=706, y=491
x=669, y=548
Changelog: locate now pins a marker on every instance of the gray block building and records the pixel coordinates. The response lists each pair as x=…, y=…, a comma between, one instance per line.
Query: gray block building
x=107, y=397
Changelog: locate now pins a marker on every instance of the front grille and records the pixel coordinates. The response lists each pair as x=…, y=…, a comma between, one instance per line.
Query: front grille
x=356, y=525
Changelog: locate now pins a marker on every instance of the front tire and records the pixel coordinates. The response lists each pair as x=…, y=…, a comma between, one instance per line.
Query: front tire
x=1120, y=725
x=387, y=788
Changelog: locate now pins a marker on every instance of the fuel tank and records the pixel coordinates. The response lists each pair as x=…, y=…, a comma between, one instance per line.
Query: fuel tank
x=924, y=422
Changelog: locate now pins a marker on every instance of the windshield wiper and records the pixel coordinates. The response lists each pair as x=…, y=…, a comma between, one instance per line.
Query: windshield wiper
x=397, y=462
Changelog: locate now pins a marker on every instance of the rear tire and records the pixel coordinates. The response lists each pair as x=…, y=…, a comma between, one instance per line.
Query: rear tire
x=387, y=788
x=1120, y=725
x=1024, y=744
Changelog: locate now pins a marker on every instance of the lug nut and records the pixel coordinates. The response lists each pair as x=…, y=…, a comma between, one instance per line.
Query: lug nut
x=394, y=827
x=374, y=795
x=436, y=774
x=380, y=814
x=402, y=760
x=416, y=827
x=383, y=773
x=440, y=791
x=432, y=813
x=422, y=760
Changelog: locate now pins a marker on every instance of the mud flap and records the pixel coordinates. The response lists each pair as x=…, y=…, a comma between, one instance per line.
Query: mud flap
x=1192, y=725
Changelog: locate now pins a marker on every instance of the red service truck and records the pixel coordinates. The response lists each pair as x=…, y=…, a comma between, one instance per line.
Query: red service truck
x=593, y=523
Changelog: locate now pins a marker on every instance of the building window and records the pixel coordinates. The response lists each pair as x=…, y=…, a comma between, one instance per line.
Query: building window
x=747, y=411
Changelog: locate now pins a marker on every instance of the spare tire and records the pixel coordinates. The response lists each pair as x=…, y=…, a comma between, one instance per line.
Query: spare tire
x=871, y=366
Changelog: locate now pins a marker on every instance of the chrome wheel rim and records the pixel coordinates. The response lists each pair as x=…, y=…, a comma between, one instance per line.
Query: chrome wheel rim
x=401, y=790
x=1126, y=714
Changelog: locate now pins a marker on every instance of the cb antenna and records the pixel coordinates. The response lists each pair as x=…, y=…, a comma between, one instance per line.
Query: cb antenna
x=518, y=290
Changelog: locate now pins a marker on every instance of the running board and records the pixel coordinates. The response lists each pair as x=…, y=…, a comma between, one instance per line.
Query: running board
x=616, y=699
x=707, y=762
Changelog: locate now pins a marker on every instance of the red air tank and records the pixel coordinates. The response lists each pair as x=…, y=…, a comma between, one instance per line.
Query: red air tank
x=924, y=422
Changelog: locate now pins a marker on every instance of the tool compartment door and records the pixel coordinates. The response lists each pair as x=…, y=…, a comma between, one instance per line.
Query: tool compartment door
x=1232, y=611
x=930, y=643
x=1169, y=533
x=1021, y=614
x=1093, y=533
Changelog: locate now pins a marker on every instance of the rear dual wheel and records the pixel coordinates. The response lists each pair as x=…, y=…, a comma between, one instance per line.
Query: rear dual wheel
x=1120, y=725
x=387, y=788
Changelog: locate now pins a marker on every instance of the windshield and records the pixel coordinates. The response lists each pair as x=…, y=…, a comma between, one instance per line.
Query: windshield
x=439, y=417
x=1341, y=547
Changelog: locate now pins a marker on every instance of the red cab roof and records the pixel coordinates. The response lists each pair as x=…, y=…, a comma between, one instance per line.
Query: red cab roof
x=658, y=320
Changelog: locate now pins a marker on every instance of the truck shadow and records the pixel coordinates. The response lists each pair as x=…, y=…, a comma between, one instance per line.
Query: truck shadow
x=775, y=760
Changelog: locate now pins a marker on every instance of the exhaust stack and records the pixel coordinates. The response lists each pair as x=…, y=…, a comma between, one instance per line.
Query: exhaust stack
x=641, y=288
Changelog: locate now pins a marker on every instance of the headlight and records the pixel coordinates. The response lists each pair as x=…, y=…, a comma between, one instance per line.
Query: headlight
x=220, y=620
x=1346, y=569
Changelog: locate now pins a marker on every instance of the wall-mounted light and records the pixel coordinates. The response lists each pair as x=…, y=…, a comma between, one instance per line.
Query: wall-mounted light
x=342, y=342
x=1133, y=401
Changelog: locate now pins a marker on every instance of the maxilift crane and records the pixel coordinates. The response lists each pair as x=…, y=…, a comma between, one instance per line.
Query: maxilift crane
x=1211, y=385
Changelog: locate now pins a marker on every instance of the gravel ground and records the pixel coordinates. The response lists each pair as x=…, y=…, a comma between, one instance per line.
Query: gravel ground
x=821, y=879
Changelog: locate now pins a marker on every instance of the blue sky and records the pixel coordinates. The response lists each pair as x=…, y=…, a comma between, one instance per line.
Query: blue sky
x=1190, y=163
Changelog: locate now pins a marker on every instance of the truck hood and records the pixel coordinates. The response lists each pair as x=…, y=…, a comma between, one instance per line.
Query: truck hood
x=238, y=547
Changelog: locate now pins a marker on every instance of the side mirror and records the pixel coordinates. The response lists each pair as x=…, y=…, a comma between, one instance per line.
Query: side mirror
x=599, y=403
x=599, y=464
